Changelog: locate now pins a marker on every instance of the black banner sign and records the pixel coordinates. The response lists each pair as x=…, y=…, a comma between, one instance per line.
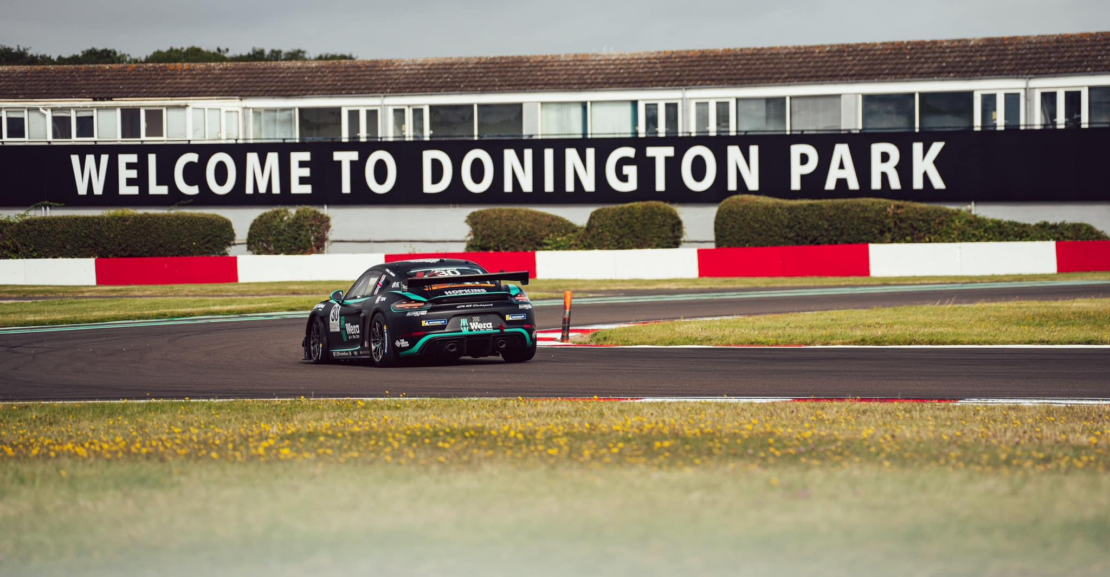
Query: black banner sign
x=1014, y=166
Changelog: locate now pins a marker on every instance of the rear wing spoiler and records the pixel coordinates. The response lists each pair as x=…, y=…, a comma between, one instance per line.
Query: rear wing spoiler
x=521, y=277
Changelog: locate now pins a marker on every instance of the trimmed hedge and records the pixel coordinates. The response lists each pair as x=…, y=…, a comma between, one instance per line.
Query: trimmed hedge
x=284, y=231
x=121, y=233
x=515, y=229
x=649, y=224
x=747, y=220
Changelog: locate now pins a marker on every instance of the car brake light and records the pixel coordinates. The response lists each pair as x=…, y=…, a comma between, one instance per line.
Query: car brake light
x=410, y=305
x=521, y=297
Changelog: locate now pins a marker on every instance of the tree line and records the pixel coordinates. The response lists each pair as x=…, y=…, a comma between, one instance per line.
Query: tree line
x=23, y=56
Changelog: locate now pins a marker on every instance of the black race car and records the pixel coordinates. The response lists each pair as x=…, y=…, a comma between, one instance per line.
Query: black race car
x=443, y=308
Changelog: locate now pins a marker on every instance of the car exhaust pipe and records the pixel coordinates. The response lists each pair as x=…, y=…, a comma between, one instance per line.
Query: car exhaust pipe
x=501, y=344
x=452, y=347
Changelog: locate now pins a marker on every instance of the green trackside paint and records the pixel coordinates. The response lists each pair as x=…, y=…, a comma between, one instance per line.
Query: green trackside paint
x=419, y=344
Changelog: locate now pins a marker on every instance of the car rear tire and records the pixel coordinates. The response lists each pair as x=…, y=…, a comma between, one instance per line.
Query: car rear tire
x=318, y=351
x=519, y=355
x=382, y=352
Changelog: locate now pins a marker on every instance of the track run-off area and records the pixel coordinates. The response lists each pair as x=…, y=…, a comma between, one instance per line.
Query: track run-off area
x=259, y=356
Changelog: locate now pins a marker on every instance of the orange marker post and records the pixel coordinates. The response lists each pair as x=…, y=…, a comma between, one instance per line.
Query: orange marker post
x=567, y=297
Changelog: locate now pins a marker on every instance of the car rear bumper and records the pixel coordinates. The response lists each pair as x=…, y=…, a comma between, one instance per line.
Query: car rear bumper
x=472, y=343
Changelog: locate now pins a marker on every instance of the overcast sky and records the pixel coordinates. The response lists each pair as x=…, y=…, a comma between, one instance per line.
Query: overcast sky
x=422, y=28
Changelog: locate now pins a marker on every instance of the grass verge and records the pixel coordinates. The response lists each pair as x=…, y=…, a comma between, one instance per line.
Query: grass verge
x=552, y=488
x=1082, y=322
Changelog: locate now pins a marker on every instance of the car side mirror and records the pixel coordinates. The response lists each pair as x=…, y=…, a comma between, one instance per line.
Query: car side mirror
x=337, y=296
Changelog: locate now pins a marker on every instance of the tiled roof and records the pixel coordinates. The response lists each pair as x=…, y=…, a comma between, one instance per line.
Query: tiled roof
x=1016, y=56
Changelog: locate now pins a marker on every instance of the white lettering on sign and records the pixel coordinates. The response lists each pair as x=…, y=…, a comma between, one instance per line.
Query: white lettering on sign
x=885, y=167
x=576, y=168
x=688, y=168
x=126, y=173
x=297, y=172
x=179, y=174
x=210, y=173
x=152, y=177
x=344, y=158
x=521, y=171
x=444, y=161
x=468, y=167
x=923, y=165
x=800, y=168
x=660, y=154
x=749, y=168
x=92, y=172
x=699, y=168
x=263, y=176
x=842, y=168
x=628, y=170
x=549, y=170
x=390, y=172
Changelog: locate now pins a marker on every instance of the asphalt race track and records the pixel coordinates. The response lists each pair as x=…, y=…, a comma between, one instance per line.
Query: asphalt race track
x=261, y=358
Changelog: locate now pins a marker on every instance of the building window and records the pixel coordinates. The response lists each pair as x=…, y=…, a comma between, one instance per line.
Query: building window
x=106, y=123
x=175, y=123
x=61, y=124
x=661, y=119
x=36, y=124
x=231, y=124
x=320, y=123
x=213, y=127
x=946, y=110
x=272, y=124
x=563, y=119
x=760, y=115
x=130, y=123
x=613, y=118
x=1098, y=99
x=1062, y=108
x=154, y=123
x=452, y=121
x=500, y=120
x=362, y=124
x=138, y=123
x=408, y=122
x=888, y=112
x=15, y=124
x=815, y=113
x=68, y=124
x=999, y=111
x=84, y=123
x=712, y=118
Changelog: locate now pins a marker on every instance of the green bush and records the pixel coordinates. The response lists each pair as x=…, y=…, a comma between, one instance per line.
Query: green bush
x=516, y=229
x=283, y=231
x=747, y=220
x=636, y=225
x=120, y=233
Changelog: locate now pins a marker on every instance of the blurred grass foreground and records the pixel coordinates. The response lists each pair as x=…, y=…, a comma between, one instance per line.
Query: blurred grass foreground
x=499, y=487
